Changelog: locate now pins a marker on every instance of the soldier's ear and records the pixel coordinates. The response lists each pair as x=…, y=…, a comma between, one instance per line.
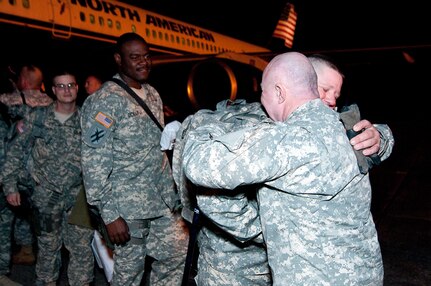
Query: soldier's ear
x=280, y=94
x=117, y=58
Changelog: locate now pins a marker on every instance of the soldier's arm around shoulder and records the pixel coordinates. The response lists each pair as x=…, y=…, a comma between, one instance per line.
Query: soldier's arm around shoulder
x=387, y=141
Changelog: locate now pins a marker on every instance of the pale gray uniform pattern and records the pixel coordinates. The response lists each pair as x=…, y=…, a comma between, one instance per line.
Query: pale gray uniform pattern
x=315, y=204
x=33, y=98
x=55, y=166
x=387, y=141
x=231, y=251
x=123, y=176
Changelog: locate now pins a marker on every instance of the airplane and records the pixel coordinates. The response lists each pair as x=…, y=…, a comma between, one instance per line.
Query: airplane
x=216, y=66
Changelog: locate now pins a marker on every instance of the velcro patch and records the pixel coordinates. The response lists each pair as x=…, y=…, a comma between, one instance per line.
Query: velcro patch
x=97, y=134
x=104, y=119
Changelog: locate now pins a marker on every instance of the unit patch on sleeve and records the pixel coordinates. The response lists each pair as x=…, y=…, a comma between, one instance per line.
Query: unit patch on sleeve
x=99, y=131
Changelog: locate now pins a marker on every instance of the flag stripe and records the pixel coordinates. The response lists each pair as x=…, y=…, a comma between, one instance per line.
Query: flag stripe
x=285, y=28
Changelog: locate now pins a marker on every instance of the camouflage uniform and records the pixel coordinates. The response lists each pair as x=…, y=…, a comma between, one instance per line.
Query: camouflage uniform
x=6, y=215
x=17, y=109
x=231, y=251
x=32, y=97
x=314, y=205
x=387, y=141
x=55, y=166
x=123, y=176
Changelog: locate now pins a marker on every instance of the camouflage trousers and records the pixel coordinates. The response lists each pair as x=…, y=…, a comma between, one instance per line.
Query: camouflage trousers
x=224, y=261
x=6, y=220
x=23, y=233
x=166, y=240
x=10, y=224
x=76, y=240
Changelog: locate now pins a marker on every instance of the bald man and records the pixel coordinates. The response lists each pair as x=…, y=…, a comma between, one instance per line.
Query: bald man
x=314, y=203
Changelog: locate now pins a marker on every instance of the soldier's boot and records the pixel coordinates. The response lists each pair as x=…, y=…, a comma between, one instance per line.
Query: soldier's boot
x=6, y=281
x=25, y=256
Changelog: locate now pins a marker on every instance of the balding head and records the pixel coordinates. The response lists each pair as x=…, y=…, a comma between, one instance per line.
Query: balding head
x=288, y=81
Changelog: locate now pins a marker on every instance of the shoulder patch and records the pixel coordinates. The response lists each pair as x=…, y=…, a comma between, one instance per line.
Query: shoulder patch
x=104, y=120
x=97, y=134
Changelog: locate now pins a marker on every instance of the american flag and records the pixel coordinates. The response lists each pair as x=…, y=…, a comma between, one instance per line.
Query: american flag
x=104, y=120
x=285, y=28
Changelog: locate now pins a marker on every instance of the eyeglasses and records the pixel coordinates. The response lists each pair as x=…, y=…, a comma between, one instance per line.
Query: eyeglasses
x=70, y=85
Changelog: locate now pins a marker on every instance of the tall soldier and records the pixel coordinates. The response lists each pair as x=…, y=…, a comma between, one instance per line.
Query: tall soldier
x=126, y=175
x=54, y=163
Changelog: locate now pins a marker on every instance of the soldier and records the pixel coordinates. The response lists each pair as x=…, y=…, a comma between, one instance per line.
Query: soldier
x=27, y=94
x=231, y=250
x=54, y=163
x=373, y=139
x=314, y=205
x=126, y=175
x=6, y=214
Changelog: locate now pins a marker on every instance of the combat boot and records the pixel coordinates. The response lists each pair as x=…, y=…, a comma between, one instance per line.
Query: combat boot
x=6, y=281
x=25, y=256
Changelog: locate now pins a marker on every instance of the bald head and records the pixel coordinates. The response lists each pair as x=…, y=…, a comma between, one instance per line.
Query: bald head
x=288, y=81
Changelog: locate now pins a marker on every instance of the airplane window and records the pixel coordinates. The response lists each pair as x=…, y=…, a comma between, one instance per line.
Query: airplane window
x=82, y=16
x=134, y=28
x=166, y=37
x=92, y=19
x=110, y=24
x=193, y=43
x=188, y=42
x=118, y=25
x=26, y=4
x=183, y=41
x=160, y=35
x=172, y=38
x=101, y=21
x=154, y=34
x=147, y=32
x=178, y=40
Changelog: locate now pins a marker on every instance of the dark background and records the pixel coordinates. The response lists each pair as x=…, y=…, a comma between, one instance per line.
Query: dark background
x=370, y=40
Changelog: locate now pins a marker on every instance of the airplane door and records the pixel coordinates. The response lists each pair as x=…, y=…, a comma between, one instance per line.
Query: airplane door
x=61, y=18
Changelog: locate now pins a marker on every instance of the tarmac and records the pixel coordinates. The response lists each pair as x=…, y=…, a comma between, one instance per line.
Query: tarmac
x=401, y=208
